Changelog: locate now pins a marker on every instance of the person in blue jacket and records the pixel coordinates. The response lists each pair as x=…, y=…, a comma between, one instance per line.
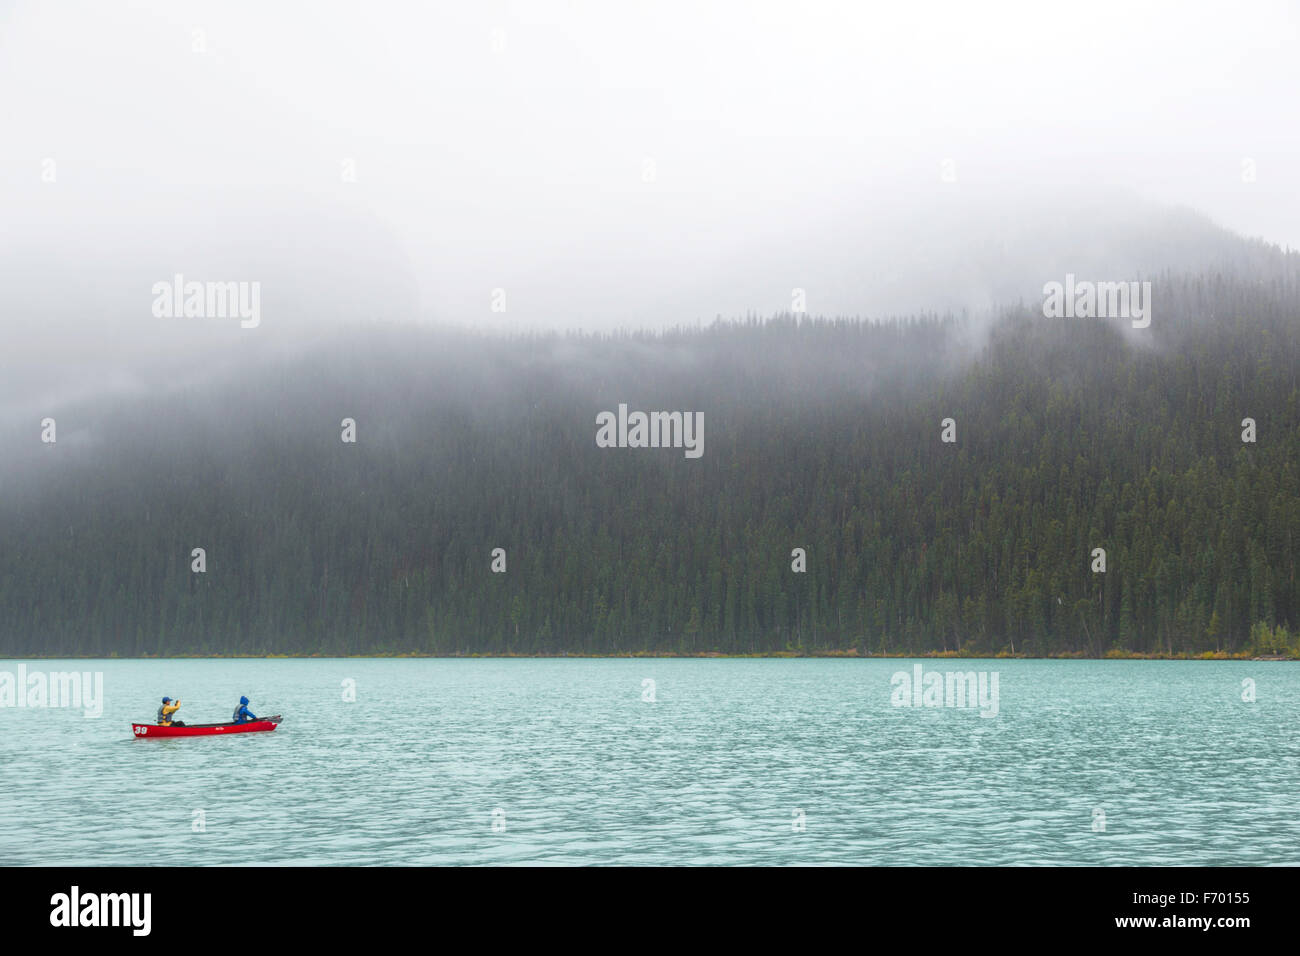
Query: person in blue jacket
x=242, y=714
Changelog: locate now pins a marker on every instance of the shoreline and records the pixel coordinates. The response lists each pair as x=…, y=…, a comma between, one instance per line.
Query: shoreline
x=851, y=654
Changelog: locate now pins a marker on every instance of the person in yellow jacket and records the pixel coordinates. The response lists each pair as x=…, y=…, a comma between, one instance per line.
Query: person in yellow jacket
x=165, y=712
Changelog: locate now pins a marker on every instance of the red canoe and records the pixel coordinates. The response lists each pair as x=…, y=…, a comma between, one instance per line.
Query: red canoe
x=205, y=730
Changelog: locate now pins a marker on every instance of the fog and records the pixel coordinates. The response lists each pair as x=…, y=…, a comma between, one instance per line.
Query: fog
x=513, y=167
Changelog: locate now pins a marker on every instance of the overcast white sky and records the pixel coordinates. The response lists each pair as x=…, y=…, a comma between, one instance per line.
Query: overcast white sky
x=506, y=145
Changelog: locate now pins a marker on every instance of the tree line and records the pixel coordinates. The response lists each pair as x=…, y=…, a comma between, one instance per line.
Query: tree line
x=820, y=434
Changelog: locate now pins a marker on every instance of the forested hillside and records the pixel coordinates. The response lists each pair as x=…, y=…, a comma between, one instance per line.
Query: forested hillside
x=1071, y=435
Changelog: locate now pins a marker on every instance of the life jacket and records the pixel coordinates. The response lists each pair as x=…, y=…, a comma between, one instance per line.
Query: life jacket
x=239, y=714
x=162, y=718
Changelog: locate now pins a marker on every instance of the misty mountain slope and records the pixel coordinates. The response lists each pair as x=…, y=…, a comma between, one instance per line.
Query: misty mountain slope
x=971, y=252
x=76, y=302
x=1071, y=434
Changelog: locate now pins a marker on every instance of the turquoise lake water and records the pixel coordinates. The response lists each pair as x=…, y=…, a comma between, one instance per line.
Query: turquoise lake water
x=732, y=762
